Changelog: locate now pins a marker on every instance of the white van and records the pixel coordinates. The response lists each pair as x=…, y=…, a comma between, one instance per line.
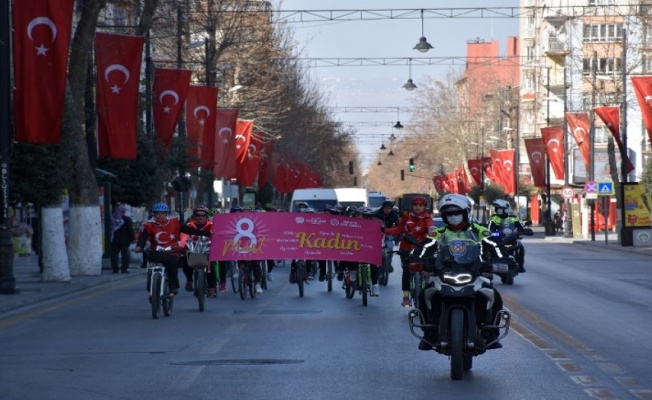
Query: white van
x=376, y=199
x=317, y=199
x=352, y=197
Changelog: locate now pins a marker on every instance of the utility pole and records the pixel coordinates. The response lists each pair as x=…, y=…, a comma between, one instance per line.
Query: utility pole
x=591, y=174
x=7, y=280
x=550, y=230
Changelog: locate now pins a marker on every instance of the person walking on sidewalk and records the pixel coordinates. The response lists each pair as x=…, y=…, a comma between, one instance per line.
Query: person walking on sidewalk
x=122, y=235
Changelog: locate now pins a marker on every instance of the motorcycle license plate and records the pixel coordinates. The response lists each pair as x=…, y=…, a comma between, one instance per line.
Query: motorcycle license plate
x=500, y=267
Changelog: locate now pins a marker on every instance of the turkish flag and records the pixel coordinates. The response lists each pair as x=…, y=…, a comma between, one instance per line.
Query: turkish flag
x=247, y=168
x=611, y=117
x=265, y=162
x=503, y=168
x=280, y=170
x=243, y=130
x=578, y=124
x=440, y=183
x=451, y=181
x=463, y=184
x=553, y=137
x=200, y=124
x=118, y=59
x=224, y=156
x=170, y=92
x=536, y=150
x=475, y=168
x=643, y=88
x=41, y=33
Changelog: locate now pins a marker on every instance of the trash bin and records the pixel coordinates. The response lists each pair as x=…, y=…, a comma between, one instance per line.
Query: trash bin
x=549, y=228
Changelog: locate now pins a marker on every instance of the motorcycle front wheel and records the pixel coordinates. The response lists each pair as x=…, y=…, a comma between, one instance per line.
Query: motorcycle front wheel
x=457, y=344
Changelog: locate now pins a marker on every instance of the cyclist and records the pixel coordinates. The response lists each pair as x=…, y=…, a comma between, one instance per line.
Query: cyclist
x=455, y=210
x=390, y=219
x=303, y=208
x=348, y=265
x=164, y=235
x=505, y=222
x=368, y=213
x=417, y=223
x=200, y=221
x=255, y=265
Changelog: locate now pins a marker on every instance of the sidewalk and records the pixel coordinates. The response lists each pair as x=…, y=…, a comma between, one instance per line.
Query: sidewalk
x=31, y=291
x=611, y=242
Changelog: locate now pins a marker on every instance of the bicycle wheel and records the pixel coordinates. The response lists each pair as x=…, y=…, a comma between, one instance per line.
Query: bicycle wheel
x=242, y=282
x=200, y=286
x=329, y=275
x=301, y=275
x=155, y=297
x=364, y=285
x=252, y=285
x=349, y=287
x=263, y=275
x=167, y=300
x=234, y=281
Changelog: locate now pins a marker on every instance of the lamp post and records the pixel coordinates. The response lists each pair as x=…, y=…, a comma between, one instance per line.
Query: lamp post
x=7, y=280
x=550, y=230
x=626, y=234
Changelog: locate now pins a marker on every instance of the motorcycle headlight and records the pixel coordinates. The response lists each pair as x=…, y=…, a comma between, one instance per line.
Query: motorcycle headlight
x=457, y=278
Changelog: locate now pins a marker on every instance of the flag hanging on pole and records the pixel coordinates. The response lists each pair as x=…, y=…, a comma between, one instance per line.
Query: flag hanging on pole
x=41, y=42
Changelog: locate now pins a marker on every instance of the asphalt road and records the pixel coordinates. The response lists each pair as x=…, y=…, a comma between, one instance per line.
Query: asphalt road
x=581, y=331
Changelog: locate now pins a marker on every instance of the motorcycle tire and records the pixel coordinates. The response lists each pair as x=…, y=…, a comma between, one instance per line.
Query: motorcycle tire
x=457, y=344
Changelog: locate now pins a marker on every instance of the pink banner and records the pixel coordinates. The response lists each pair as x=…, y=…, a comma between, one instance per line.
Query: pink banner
x=267, y=236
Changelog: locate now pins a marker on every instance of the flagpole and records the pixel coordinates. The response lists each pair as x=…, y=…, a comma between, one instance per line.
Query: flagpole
x=7, y=280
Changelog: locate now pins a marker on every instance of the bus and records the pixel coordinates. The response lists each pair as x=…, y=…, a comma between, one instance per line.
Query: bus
x=404, y=202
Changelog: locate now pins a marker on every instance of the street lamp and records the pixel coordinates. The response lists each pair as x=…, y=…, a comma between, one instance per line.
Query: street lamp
x=409, y=85
x=398, y=119
x=423, y=46
x=392, y=138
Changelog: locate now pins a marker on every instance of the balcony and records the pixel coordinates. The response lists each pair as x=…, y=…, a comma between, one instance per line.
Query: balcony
x=555, y=48
x=555, y=17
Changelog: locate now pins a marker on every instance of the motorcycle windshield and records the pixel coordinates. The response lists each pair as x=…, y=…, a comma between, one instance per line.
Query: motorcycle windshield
x=460, y=251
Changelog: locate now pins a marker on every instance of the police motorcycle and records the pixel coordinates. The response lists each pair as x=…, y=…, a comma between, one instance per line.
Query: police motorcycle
x=509, y=239
x=465, y=304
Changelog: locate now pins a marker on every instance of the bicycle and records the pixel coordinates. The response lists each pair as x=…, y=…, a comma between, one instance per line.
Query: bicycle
x=302, y=274
x=232, y=274
x=199, y=263
x=159, y=292
x=330, y=272
x=361, y=282
x=386, y=266
x=246, y=279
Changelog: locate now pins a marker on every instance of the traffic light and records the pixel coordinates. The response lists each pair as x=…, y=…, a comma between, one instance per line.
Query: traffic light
x=412, y=168
x=402, y=175
x=350, y=167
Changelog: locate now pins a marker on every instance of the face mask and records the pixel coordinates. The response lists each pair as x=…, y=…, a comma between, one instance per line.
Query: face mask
x=455, y=219
x=500, y=211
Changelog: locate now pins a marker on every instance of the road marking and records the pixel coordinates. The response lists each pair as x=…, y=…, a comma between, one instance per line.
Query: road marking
x=566, y=363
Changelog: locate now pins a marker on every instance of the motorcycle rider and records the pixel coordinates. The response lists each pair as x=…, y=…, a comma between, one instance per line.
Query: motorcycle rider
x=416, y=223
x=505, y=222
x=455, y=210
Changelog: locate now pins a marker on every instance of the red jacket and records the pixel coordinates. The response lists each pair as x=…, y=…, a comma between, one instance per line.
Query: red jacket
x=164, y=235
x=208, y=226
x=415, y=225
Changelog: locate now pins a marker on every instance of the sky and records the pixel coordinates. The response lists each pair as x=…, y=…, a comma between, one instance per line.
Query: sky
x=381, y=86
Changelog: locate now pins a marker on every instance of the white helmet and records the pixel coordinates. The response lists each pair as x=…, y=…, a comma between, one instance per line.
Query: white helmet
x=454, y=201
x=502, y=207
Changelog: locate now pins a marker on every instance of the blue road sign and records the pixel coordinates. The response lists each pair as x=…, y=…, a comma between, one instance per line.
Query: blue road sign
x=605, y=188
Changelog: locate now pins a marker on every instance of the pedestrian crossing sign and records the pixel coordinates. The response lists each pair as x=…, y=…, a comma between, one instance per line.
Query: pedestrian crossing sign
x=605, y=188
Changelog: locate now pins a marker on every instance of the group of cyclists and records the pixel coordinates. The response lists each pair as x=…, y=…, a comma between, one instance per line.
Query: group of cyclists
x=168, y=239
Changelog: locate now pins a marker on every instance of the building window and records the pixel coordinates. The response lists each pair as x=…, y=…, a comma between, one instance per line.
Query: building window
x=603, y=66
x=600, y=2
x=602, y=32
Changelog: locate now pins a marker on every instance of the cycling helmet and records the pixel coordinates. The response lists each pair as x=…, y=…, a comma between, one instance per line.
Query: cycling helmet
x=160, y=207
x=235, y=209
x=388, y=203
x=419, y=200
x=352, y=211
x=501, y=206
x=199, y=209
x=366, y=212
x=334, y=210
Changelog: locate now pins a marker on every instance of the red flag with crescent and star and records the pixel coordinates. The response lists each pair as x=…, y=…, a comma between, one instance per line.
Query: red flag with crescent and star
x=440, y=183
x=118, y=59
x=200, y=124
x=643, y=89
x=41, y=41
x=247, y=168
x=611, y=117
x=224, y=157
x=553, y=137
x=578, y=124
x=265, y=162
x=170, y=92
x=536, y=151
x=503, y=168
x=475, y=168
x=243, y=130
